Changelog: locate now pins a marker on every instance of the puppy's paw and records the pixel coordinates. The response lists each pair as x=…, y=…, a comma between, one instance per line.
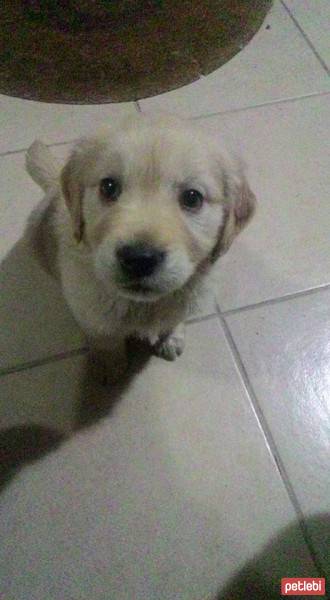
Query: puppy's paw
x=170, y=347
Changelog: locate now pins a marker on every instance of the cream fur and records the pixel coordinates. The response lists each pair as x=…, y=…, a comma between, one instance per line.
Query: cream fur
x=155, y=159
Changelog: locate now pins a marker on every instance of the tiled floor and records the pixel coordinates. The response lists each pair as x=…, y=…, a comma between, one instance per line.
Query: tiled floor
x=209, y=477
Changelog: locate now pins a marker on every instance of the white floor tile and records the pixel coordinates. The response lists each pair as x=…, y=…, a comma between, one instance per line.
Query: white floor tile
x=21, y=121
x=35, y=321
x=286, y=350
x=276, y=64
x=47, y=395
x=19, y=195
x=286, y=248
x=168, y=497
x=314, y=19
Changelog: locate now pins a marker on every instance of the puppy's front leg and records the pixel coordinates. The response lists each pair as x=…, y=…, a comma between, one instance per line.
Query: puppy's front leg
x=108, y=358
x=171, y=345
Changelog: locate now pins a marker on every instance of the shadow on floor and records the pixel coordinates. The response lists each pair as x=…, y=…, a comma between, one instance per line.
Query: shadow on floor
x=260, y=578
x=23, y=444
x=36, y=322
x=28, y=303
x=97, y=401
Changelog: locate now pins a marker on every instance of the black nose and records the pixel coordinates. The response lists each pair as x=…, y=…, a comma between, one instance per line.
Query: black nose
x=139, y=260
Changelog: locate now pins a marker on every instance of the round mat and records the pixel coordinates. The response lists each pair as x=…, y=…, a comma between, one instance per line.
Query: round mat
x=86, y=52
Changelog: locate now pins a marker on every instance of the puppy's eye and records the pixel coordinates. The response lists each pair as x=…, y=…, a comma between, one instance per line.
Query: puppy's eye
x=191, y=200
x=110, y=188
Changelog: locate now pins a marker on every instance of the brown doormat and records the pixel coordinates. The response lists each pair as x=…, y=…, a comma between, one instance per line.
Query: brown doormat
x=81, y=51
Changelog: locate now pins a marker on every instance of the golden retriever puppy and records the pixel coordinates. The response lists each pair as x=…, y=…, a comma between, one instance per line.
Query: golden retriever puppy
x=136, y=219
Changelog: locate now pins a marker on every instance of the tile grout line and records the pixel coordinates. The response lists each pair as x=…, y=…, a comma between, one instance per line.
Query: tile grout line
x=268, y=302
x=136, y=105
x=39, y=362
x=190, y=321
x=270, y=442
x=21, y=150
x=261, y=105
x=193, y=118
x=306, y=38
x=278, y=300
x=200, y=319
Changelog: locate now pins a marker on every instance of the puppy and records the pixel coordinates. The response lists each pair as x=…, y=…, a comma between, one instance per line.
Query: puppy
x=135, y=220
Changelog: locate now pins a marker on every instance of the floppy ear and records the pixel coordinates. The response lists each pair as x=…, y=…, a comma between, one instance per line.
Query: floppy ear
x=239, y=208
x=73, y=190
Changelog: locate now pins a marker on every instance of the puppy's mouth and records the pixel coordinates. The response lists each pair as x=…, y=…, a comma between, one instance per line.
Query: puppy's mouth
x=138, y=288
x=140, y=291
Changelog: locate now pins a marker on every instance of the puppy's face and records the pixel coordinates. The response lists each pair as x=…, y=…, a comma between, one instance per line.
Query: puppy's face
x=154, y=201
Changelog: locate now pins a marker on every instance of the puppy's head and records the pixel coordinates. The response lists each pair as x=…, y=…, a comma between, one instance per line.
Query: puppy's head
x=155, y=201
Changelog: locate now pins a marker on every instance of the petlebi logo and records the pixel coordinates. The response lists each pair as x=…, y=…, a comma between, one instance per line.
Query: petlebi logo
x=304, y=586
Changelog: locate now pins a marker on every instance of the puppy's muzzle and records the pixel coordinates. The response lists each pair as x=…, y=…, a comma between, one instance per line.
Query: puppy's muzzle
x=139, y=259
